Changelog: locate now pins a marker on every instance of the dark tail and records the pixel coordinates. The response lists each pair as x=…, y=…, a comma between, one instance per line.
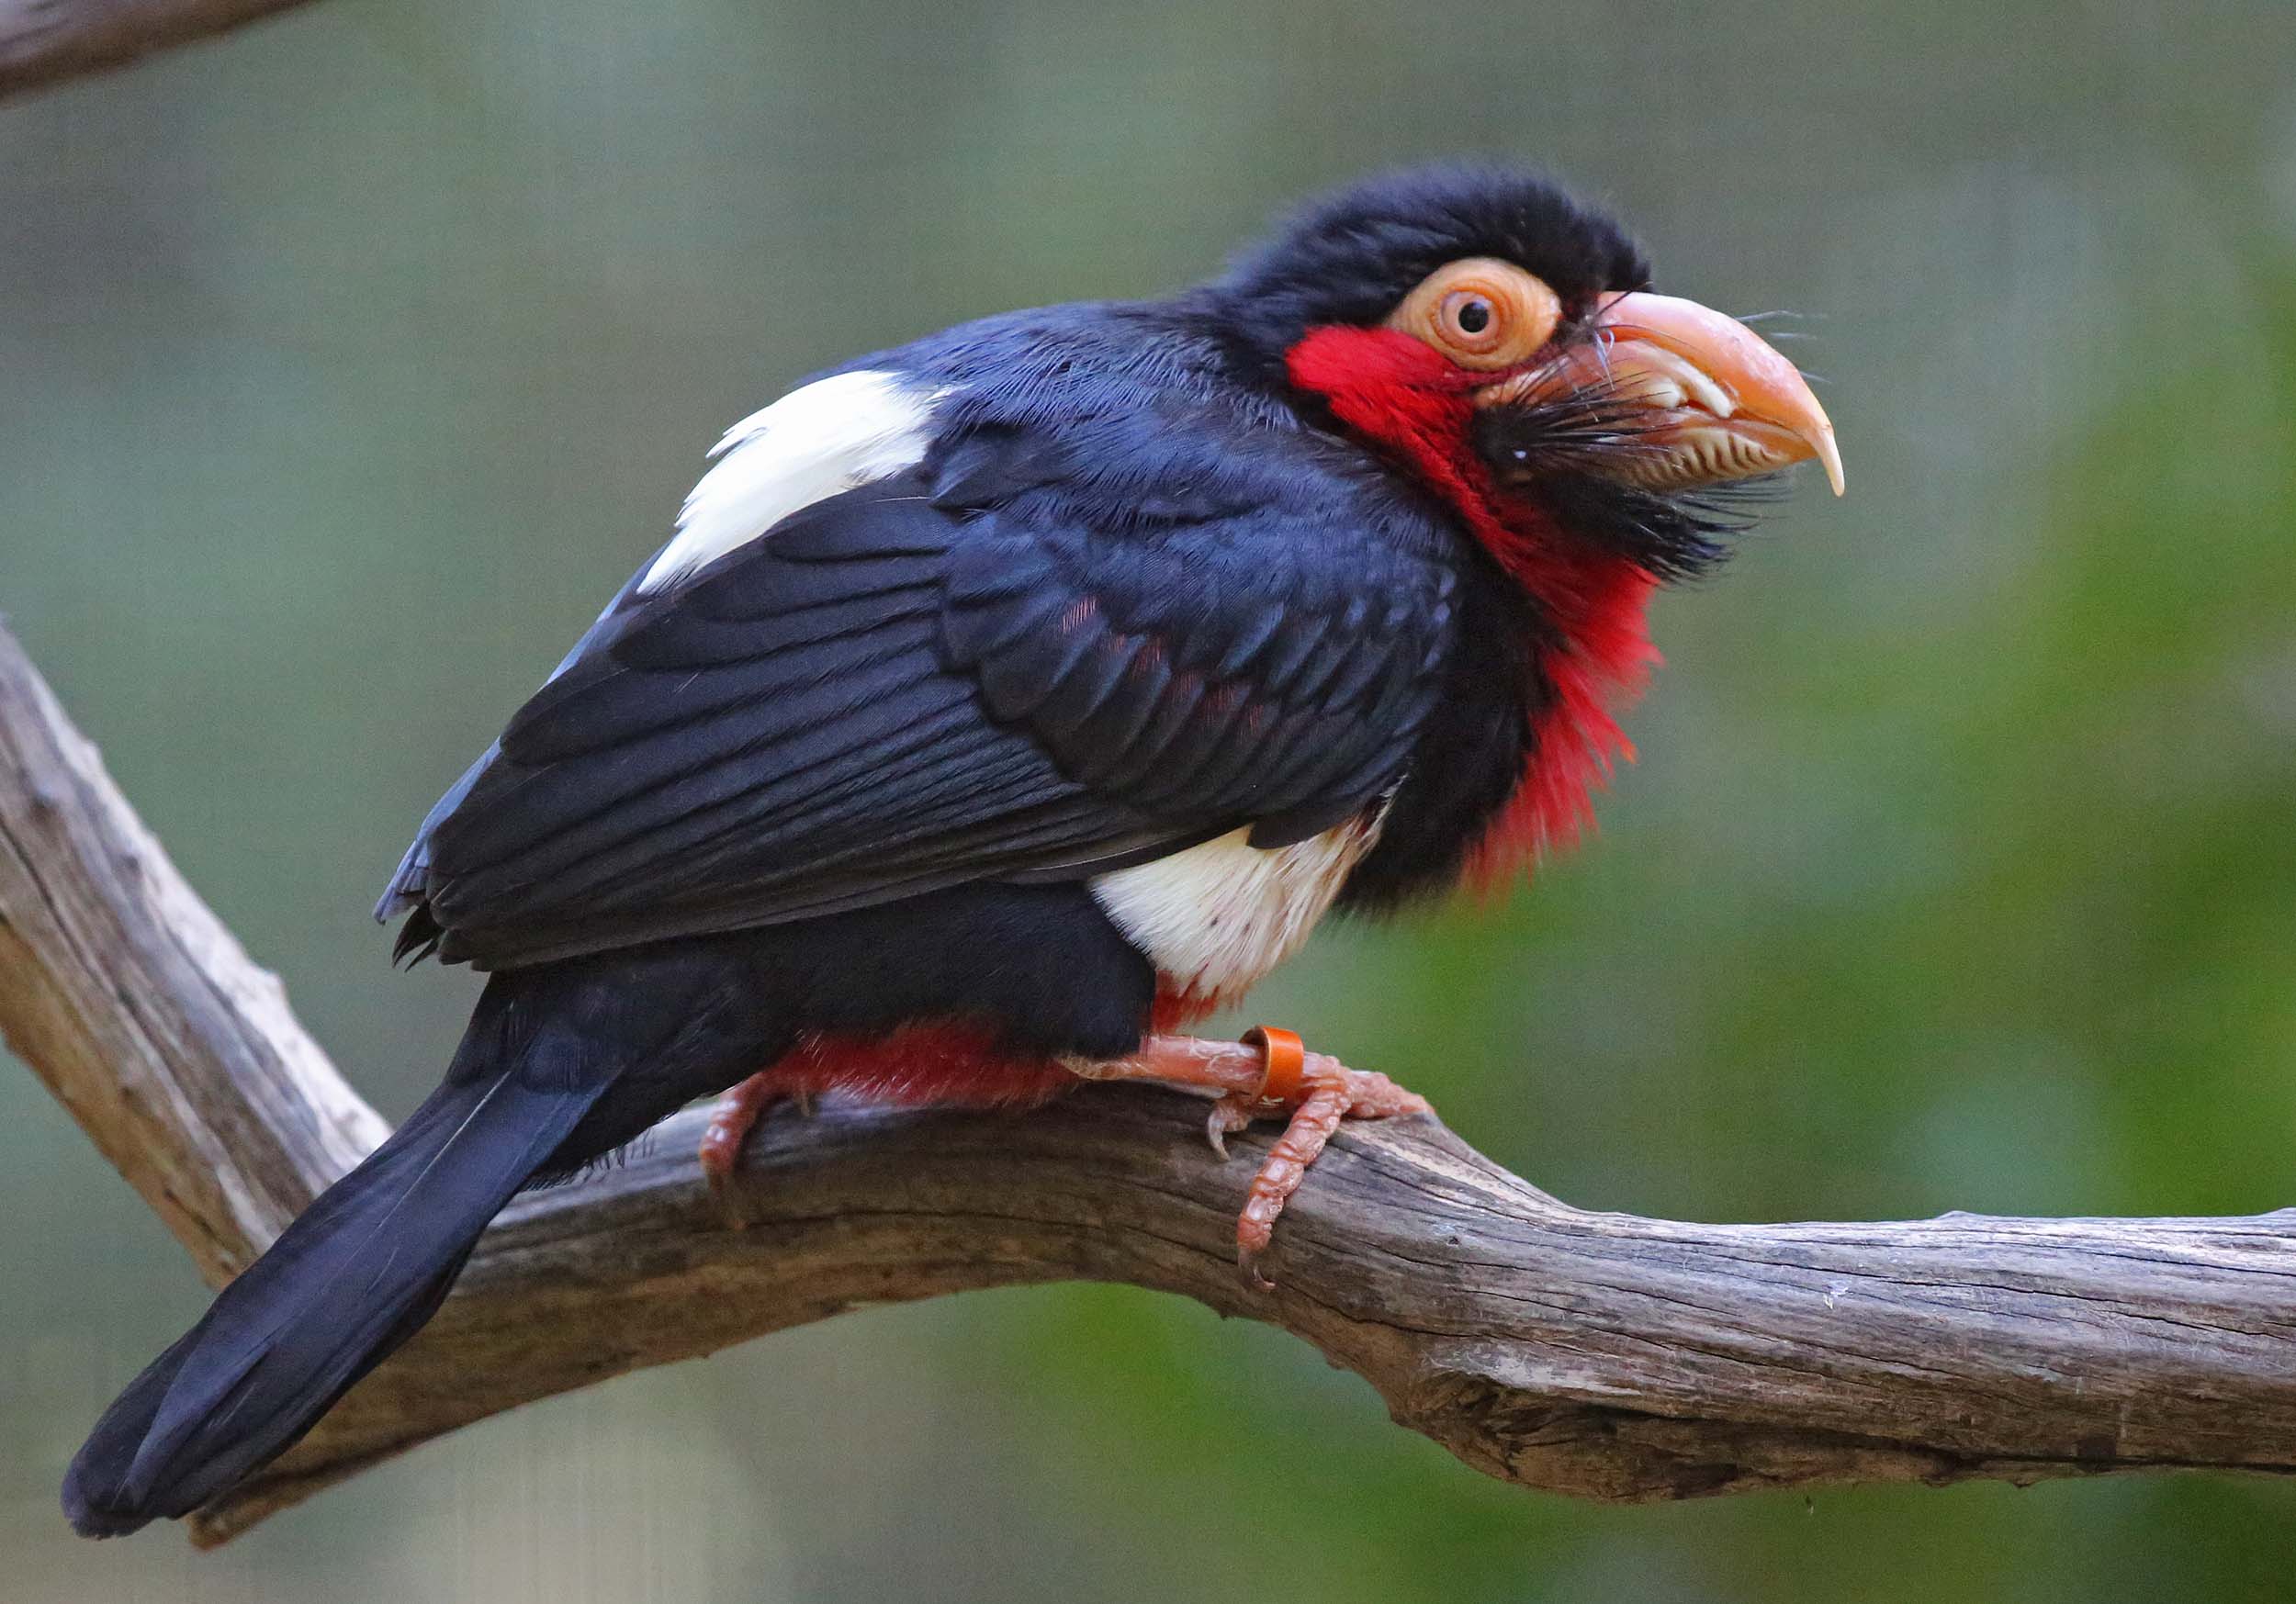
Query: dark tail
x=558, y=1064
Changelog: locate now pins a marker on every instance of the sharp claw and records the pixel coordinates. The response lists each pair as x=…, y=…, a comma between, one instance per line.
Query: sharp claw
x=1216, y=1132
x=1247, y=1271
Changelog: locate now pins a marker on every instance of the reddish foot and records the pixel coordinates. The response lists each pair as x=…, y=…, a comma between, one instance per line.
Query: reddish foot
x=1267, y=1073
x=733, y=1118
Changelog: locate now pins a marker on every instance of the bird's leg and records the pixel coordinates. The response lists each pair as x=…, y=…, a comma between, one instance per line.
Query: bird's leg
x=1266, y=1074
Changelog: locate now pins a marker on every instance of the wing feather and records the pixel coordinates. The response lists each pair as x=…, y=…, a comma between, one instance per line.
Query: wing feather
x=957, y=673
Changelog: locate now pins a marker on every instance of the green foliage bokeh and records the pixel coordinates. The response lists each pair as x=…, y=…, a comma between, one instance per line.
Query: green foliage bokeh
x=345, y=365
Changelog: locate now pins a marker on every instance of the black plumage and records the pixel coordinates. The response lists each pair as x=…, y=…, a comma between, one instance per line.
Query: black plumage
x=562, y=1062
x=859, y=770
x=954, y=675
x=364, y=1266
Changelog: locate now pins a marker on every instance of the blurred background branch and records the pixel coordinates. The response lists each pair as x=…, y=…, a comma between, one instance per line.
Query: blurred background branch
x=44, y=42
x=1598, y=1354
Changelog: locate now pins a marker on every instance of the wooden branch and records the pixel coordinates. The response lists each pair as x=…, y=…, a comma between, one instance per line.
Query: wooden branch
x=48, y=41
x=140, y=1012
x=1604, y=1355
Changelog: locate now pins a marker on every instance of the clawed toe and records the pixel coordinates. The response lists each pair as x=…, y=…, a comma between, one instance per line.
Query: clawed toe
x=734, y=1117
x=1269, y=1073
x=1319, y=1092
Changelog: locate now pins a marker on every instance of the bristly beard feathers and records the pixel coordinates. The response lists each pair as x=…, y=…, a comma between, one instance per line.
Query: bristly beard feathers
x=1553, y=451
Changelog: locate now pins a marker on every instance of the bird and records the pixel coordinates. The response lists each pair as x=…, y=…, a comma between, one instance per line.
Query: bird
x=1003, y=704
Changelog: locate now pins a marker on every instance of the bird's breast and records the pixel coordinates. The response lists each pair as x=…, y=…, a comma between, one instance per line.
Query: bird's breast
x=1216, y=918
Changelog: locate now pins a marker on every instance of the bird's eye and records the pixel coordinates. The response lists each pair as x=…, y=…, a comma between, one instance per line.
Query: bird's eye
x=1470, y=313
x=1481, y=312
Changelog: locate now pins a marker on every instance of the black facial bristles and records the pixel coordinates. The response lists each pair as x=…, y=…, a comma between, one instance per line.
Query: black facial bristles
x=1575, y=455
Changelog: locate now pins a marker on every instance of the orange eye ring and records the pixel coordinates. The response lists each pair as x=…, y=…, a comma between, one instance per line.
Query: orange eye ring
x=1481, y=312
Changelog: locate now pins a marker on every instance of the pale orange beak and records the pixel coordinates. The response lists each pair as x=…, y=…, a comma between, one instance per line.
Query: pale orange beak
x=1701, y=399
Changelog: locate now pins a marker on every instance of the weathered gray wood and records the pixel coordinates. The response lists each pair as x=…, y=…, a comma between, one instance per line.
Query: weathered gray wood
x=1599, y=1354
x=44, y=42
x=1604, y=1355
x=178, y=1056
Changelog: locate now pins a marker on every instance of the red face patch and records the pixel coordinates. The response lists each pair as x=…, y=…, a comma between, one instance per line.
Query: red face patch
x=1407, y=398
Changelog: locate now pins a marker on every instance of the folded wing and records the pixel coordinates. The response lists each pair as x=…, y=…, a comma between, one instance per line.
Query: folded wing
x=955, y=673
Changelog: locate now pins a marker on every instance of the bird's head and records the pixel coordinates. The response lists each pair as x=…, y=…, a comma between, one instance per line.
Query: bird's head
x=1502, y=340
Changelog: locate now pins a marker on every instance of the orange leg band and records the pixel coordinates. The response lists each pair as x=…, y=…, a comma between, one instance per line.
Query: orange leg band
x=1270, y=1070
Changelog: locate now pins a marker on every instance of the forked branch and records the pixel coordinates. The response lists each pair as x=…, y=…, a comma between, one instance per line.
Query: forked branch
x=1600, y=1354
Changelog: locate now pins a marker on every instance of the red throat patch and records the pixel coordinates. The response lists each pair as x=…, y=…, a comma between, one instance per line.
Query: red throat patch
x=1410, y=399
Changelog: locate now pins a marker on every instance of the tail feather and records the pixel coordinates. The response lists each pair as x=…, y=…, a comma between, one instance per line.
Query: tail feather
x=356, y=1274
x=560, y=1063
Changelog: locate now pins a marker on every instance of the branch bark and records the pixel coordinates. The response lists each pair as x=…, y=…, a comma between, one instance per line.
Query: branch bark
x=44, y=42
x=177, y=1056
x=1598, y=1354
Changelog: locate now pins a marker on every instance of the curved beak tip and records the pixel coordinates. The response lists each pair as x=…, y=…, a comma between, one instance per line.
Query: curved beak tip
x=1829, y=456
x=1725, y=357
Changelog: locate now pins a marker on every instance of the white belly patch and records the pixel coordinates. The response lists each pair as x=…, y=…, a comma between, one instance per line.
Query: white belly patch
x=1217, y=918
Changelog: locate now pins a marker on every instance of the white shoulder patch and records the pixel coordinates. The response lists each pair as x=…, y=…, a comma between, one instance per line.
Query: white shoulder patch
x=832, y=436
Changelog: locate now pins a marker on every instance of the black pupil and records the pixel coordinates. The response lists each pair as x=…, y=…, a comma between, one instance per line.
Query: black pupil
x=1474, y=317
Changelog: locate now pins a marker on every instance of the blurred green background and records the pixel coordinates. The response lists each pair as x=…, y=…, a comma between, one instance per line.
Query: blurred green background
x=347, y=364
